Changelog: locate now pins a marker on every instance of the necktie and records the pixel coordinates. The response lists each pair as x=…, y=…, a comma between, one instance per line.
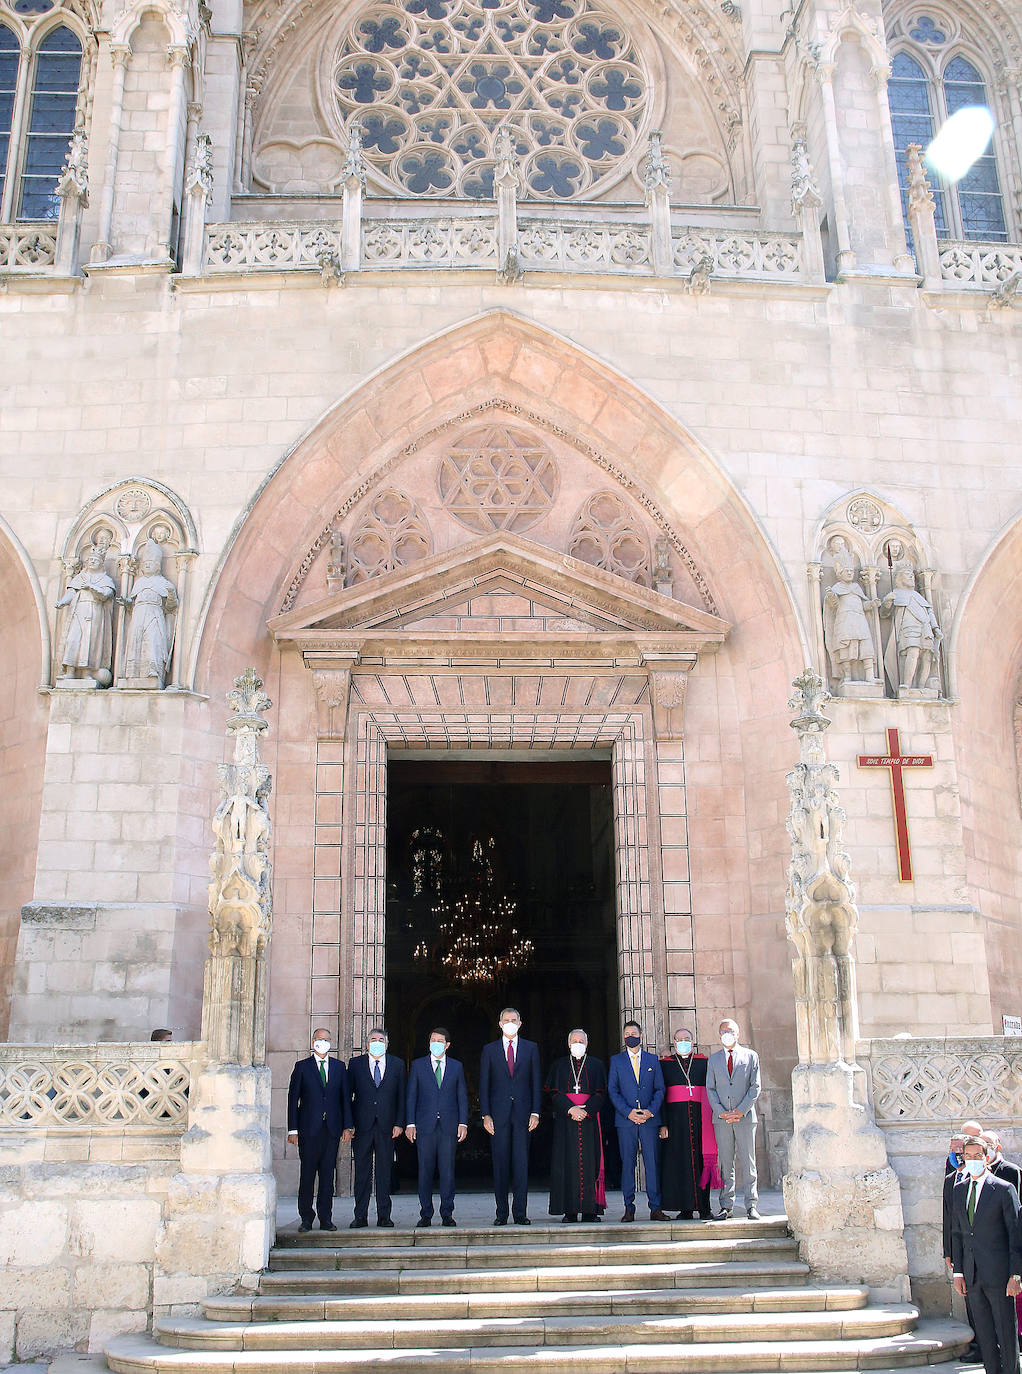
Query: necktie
x=635, y=1065
x=322, y=1071
x=972, y=1201
x=730, y=1064
x=510, y=1058
x=376, y=1074
x=439, y=1074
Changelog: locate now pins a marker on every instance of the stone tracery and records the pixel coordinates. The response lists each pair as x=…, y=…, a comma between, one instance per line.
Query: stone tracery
x=496, y=478
x=605, y=533
x=392, y=533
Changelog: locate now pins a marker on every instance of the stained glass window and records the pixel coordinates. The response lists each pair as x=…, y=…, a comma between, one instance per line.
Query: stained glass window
x=920, y=102
x=51, y=121
x=10, y=54
x=431, y=80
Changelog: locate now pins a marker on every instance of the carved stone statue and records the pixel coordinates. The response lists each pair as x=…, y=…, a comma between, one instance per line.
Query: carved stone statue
x=88, y=637
x=151, y=602
x=914, y=643
x=846, y=630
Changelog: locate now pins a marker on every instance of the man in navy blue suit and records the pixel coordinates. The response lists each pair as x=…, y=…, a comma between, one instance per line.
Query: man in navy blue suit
x=509, y=1094
x=377, y=1084
x=437, y=1111
x=636, y=1088
x=318, y=1113
x=986, y=1247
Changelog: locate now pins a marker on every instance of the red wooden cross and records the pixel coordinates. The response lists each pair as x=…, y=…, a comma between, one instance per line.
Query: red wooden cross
x=897, y=762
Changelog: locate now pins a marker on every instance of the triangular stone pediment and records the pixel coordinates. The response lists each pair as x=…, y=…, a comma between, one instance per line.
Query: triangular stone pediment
x=503, y=586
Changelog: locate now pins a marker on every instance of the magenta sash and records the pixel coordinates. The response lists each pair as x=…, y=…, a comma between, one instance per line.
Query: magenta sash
x=711, y=1170
x=580, y=1100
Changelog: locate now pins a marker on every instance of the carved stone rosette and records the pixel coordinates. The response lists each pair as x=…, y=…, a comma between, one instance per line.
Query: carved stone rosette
x=240, y=900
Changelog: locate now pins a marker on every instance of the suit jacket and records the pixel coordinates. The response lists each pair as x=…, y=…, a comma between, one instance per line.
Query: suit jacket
x=1011, y=1173
x=309, y=1104
x=739, y=1092
x=377, y=1106
x=430, y=1108
x=950, y=1179
x=626, y=1094
x=505, y=1098
x=990, y=1250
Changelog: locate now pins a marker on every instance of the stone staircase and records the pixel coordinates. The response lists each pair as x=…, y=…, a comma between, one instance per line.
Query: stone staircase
x=680, y=1297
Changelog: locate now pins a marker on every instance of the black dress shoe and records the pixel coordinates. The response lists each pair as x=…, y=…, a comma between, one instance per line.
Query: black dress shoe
x=629, y=1214
x=659, y=1215
x=500, y=1221
x=357, y=1224
x=387, y=1222
x=570, y=1216
x=522, y=1221
x=327, y=1226
x=303, y=1228
x=448, y=1221
x=422, y=1223
x=589, y=1216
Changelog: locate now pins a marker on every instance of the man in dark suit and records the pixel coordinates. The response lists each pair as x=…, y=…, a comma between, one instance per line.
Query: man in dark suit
x=954, y=1172
x=318, y=1113
x=510, y=1085
x=636, y=1088
x=377, y=1084
x=986, y=1244
x=437, y=1112
x=999, y=1166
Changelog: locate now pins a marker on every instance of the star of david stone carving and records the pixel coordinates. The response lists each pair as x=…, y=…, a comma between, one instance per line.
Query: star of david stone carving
x=497, y=479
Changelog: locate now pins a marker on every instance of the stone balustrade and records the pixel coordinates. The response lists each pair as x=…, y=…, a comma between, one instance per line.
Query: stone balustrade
x=945, y=1081
x=983, y=265
x=80, y=1088
x=28, y=247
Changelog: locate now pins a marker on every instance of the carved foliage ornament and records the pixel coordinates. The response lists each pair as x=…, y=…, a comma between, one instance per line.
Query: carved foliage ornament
x=497, y=478
x=431, y=81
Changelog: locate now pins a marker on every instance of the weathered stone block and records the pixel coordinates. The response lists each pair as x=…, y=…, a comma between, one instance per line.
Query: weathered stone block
x=120, y=1231
x=33, y=1233
x=111, y=1286
x=45, y=1333
x=104, y=1325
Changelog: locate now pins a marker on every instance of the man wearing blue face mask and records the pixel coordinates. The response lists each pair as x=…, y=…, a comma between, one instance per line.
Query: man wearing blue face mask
x=437, y=1111
x=986, y=1246
x=377, y=1084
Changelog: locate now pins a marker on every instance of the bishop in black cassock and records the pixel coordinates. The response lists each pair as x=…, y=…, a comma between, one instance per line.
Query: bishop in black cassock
x=688, y=1159
x=575, y=1090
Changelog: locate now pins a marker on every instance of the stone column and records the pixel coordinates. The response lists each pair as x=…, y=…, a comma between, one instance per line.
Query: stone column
x=506, y=184
x=845, y=252
x=841, y=1195
x=119, y=55
x=353, y=181
x=73, y=190
x=198, y=189
x=220, y=1210
x=656, y=177
x=177, y=60
x=921, y=218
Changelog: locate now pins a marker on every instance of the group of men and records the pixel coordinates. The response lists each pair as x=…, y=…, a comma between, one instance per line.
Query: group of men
x=983, y=1243
x=692, y=1118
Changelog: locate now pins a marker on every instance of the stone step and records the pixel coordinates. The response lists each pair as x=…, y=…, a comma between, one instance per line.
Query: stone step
x=867, y=1323
x=929, y=1343
x=539, y=1233
x=599, y=1277
x=718, y=1250
x=622, y=1302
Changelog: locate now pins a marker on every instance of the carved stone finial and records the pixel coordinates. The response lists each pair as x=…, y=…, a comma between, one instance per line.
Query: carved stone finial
x=354, y=162
x=656, y=170
x=199, y=176
x=920, y=196
x=808, y=699
x=663, y=578
x=804, y=191
x=247, y=700
x=73, y=181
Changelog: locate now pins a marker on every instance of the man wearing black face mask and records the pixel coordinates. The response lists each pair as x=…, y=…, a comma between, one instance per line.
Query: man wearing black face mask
x=636, y=1088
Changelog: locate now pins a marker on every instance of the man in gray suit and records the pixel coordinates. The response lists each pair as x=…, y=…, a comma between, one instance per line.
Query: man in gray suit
x=732, y=1086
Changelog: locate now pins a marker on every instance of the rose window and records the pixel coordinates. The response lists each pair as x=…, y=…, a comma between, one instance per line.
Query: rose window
x=431, y=80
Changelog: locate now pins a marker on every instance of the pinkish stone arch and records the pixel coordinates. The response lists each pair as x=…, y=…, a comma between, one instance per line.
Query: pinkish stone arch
x=738, y=740
x=986, y=656
x=24, y=663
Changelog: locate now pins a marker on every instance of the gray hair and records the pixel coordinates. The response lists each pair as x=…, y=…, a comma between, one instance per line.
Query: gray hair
x=726, y=1021
x=578, y=1031
x=509, y=1011
x=378, y=1033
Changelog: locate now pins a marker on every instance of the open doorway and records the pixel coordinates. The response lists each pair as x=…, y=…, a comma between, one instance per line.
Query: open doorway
x=500, y=891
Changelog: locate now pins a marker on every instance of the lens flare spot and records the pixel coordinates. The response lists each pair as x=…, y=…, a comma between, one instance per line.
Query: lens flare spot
x=961, y=142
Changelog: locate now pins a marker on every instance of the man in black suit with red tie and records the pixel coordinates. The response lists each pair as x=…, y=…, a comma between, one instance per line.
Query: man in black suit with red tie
x=509, y=1095
x=318, y=1112
x=377, y=1084
x=986, y=1246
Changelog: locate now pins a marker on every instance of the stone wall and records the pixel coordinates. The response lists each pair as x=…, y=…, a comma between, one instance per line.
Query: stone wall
x=921, y=1091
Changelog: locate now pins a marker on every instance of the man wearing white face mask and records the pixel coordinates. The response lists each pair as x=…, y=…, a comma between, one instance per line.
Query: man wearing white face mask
x=732, y=1087
x=986, y=1248
x=575, y=1088
x=318, y=1113
x=509, y=1094
x=377, y=1082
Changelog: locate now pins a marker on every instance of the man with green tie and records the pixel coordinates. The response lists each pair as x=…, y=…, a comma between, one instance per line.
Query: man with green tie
x=986, y=1250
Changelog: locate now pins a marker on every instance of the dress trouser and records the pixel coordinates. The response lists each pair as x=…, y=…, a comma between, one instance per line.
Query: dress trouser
x=510, y=1145
x=736, y=1139
x=317, y=1153
x=993, y=1317
x=630, y=1138
x=373, y=1147
x=436, y=1151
